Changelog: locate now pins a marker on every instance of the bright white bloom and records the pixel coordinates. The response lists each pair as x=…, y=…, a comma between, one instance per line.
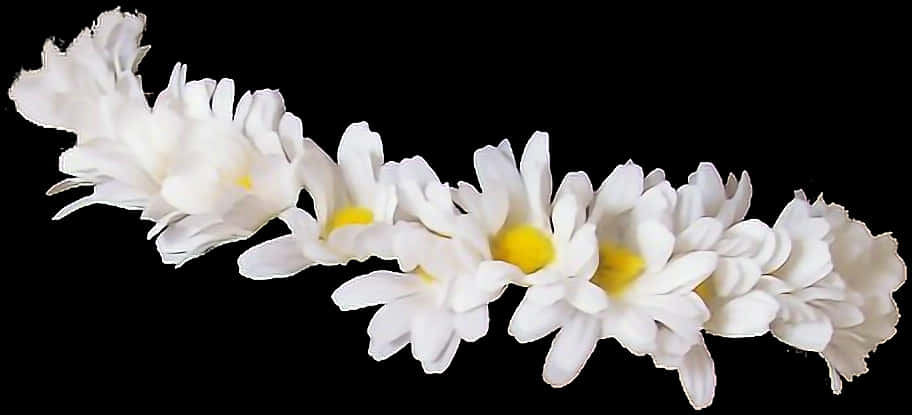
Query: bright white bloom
x=207, y=173
x=513, y=226
x=709, y=216
x=417, y=303
x=835, y=289
x=91, y=90
x=640, y=291
x=354, y=211
x=234, y=171
x=424, y=199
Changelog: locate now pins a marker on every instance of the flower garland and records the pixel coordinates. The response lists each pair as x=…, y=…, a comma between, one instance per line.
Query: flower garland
x=636, y=259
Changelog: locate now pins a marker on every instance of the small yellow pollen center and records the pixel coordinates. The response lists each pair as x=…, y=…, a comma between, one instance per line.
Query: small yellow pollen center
x=705, y=290
x=524, y=246
x=353, y=215
x=244, y=181
x=424, y=276
x=617, y=268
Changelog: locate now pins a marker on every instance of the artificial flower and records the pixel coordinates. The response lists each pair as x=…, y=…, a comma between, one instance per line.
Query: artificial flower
x=835, y=289
x=710, y=216
x=639, y=291
x=206, y=172
x=513, y=226
x=417, y=302
x=354, y=211
x=90, y=90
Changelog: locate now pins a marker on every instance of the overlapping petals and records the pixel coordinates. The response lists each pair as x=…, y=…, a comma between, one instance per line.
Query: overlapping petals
x=205, y=171
x=354, y=211
x=636, y=260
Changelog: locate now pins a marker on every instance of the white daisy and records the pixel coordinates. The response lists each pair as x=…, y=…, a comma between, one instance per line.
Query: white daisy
x=89, y=90
x=236, y=169
x=512, y=224
x=205, y=172
x=835, y=289
x=639, y=291
x=417, y=306
x=354, y=211
x=709, y=216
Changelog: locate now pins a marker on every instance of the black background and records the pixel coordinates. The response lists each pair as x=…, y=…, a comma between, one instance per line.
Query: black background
x=799, y=99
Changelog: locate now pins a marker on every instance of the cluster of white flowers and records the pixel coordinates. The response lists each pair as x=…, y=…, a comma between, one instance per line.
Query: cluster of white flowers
x=636, y=260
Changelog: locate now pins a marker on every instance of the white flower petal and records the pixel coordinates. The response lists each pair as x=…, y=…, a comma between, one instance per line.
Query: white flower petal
x=697, y=374
x=291, y=137
x=535, y=168
x=547, y=294
x=780, y=254
x=633, y=329
x=708, y=180
x=378, y=287
x=393, y=320
x=681, y=274
x=494, y=275
x=67, y=184
x=808, y=263
x=734, y=276
x=223, y=100
x=841, y=313
x=748, y=315
x=701, y=235
x=532, y=321
x=689, y=207
x=578, y=185
x=739, y=194
x=380, y=350
x=586, y=296
x=360, y=156
x=811, y=334
x=473, y=324
x=653, y=178
x=655, y=244
x=564, y=216
x=431, y=331
x=618, y=193
x=323, y=181
x=571, y=349
x=442, y=362
x=276, y=258
x=772, y=285
x=581, y=258
x=497, y=173
x=682, y=313
x=657, y=204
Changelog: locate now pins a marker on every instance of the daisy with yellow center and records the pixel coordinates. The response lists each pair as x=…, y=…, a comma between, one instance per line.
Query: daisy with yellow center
x=636, y=289
x=417, y=305
x=354, y=211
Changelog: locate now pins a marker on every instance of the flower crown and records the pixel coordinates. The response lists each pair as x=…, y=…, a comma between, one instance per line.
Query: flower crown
x=636, y=259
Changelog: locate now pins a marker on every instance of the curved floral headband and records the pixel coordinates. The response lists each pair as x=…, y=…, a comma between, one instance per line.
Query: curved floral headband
x=636, y=260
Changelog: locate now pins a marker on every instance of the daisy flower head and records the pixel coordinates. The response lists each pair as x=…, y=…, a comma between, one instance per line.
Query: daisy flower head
x=524, y=237
x=710, y=216
x=835, y=287
x=354, y=211
x=236, y=168
x=207, y=173
x=638, y=290
x=417, y=302
x=88, y=89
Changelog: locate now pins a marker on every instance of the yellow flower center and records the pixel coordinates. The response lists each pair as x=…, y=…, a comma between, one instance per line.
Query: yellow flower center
x=524, y=246
x=617, y=268
x=424, y=276
x=705, y=290
x=352, y=215
x=244, y=181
